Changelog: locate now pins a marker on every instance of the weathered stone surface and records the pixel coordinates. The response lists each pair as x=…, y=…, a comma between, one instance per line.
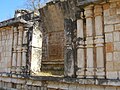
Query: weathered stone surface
x=112, y=11
x=110, y=88
x=116, y=56
x=68, y=50
x=116, y=36
x=117, y=27
x=109, y=28
x=117, y=65
x=106, y=6
x=109, y=56
x=109, y=66
x=117, y=46
x=109, y=47
x=112, y=19
x=72, y=87
x=118, y=10
x=112, y=75
x=109, y=37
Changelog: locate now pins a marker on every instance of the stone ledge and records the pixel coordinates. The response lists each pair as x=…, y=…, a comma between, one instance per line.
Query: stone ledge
x=111, y=82
x=103, y=82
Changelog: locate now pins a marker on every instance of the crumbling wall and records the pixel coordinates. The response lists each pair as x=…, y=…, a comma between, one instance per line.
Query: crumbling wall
x=36, y=50
x=53, y=15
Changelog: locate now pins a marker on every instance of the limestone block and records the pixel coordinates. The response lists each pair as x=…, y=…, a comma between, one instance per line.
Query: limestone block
x=117, y=27
x=72, y=87
x=80, y=28
x=117, y=65
x=19, y=40
x=100, y=72
x=15, y=40
x=98, y=10
x=14, y=80
x=80, y=58
x=114, y=19
x=109, y=66
x=106, y=6
x=89, y=72
x=113, y=11
x=19, y=59
x=98, y=87
x=117, y=46
x=53, y=85
x=112, y=75
x=33, y=88
x=23, y=58
x=109, y=56
x=18, y=87
x=109, y=47
x=118, y=88
x=9, y=62
x=108, y=37
x=109, y=28
x=119, y=74
x=113, y=5
x=29, y=87
x=14, y=59
x=80, y=87
x=89, y=57
x=80, y=73
x=116, y=56
x=63, y=86
x=9, y=85
x=100, y=57
x=25, y=37
x=37, y=83
x=89, y=27
x=89, y=40
x=88, y=88
x=110, y=88
x=116, y=36
x=118, y=10
x=98, y=26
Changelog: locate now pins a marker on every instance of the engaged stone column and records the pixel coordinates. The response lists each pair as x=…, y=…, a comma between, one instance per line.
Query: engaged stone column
x=14, y=60
x=89, y=42
x=24, y=49
x=99, y=42
x=19, y=47
x=80, y=49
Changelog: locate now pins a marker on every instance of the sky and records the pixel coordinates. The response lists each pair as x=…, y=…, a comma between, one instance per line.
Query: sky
x=8, y=7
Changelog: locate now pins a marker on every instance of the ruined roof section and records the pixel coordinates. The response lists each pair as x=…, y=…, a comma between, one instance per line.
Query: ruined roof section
x=20, y=19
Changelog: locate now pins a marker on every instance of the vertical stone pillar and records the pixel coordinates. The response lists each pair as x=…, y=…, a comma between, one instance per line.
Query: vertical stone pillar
x=99, y=42
x=24, y=51
x=19, y=47
x=80, y=49
x=14, y=60
x=69, y=57
x=89, y=41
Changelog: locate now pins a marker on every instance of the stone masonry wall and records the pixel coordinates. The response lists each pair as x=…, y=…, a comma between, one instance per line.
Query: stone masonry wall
x=98, y=54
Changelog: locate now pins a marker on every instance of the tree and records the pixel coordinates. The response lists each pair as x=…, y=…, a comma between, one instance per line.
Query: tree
x=33, y=4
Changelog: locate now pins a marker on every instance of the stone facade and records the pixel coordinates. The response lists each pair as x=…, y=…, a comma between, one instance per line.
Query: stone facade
x=71, y=46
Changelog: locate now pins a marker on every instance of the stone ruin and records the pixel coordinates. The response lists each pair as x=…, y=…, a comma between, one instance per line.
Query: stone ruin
x=71, y=45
